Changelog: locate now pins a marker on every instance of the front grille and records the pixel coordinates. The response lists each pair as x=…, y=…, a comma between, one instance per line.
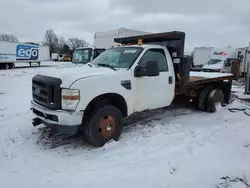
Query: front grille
x=46, y=91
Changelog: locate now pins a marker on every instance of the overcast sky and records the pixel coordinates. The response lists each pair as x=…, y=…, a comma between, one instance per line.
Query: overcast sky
x=206, y=22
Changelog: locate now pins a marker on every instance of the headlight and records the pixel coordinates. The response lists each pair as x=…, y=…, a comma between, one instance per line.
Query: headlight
x=70, y=98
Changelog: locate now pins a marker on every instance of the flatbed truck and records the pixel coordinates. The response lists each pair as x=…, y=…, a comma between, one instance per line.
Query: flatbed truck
x=148, y=72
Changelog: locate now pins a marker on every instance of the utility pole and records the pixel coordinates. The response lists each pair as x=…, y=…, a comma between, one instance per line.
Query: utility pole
x=247, y=87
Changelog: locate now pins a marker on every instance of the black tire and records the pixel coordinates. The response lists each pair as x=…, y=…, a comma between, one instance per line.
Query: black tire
x=30, y=64
x=12, y=66
x=39, y=64
x=202, y=100
x=215, y=96
x=97, y=136
x=6, y=66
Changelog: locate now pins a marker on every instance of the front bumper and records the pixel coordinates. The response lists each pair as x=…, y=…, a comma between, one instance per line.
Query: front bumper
x=63, y=121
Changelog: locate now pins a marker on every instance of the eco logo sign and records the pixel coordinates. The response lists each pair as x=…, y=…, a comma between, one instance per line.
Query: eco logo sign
x=27, y=52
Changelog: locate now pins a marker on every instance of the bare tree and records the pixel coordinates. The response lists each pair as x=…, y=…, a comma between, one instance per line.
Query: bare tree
x=51, y=40
x=61, y=43
x=66, y=50
x=76, y=43
x=8, y=38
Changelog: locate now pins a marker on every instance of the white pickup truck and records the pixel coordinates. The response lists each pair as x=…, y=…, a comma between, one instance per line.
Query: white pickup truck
x=95, y=97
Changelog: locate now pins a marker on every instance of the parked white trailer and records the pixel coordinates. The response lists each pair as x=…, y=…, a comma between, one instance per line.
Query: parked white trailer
x=11, y=53
x=244, y=59
x=55, y=56
x=247, y=68
x=102, y=41
x=105, y=39
x=202, y=55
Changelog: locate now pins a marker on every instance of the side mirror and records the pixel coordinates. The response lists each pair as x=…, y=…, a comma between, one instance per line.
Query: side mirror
x=151, y=69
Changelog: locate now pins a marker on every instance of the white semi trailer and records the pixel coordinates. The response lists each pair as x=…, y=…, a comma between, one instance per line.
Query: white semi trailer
x=102, y=41
x=12, y=53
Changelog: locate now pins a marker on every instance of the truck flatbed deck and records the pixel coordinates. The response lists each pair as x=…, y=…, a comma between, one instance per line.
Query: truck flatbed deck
x=198, y=80
x=201, y=77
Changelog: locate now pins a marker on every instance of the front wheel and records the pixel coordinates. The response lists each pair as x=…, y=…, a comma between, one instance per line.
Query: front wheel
x=103, y=125
x=12, y=66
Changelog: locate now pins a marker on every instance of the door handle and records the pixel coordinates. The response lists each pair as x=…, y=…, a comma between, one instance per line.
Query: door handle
x=170, y=79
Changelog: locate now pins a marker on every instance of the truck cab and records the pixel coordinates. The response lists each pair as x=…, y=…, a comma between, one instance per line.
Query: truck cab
x=86, y=54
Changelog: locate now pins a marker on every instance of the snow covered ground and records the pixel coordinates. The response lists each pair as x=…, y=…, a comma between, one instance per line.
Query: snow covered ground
x=174, y=147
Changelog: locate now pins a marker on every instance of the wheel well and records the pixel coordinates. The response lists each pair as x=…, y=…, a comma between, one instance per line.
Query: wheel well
x=107, y=99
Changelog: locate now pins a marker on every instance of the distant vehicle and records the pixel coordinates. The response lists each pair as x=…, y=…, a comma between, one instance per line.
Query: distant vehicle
x=55, y=56
x=86, y=54
x=145, y=73
x=202, y=55
x=102, y=41
x=211, y=59
x=221, y=61
x=67, y=58
x=12, y=53
x=61, y=57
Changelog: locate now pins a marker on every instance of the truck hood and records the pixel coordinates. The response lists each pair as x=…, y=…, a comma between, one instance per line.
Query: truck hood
x=70, y=74
x=214, y=66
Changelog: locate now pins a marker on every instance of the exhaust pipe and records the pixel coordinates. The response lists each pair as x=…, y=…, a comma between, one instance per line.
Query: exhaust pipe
x=36, y=122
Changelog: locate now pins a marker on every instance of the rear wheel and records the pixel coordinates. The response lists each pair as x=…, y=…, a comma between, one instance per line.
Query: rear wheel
x=202, y=104
x=215, y=100
x=6, y=66
x=105, y=124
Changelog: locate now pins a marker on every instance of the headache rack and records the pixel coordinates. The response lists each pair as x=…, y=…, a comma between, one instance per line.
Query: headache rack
x=174, y=41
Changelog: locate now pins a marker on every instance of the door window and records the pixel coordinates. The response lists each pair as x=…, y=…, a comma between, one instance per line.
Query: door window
x=155, y=55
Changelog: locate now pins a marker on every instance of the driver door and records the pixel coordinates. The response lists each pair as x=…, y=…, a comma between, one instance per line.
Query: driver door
x=158, y=91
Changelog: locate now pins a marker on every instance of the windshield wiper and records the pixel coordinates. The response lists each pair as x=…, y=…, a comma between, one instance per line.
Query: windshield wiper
x=106, y=65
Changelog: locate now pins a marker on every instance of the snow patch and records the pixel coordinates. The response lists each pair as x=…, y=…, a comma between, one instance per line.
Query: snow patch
x=218, y=106
x=209, y=74
x=173, y=147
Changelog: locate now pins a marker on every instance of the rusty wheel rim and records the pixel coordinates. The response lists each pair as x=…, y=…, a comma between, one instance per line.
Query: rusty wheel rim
x=107, y=126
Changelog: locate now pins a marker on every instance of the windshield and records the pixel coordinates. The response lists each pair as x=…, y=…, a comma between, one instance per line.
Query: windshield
x=214, y=61
x=121, y=57
x=82, y=55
